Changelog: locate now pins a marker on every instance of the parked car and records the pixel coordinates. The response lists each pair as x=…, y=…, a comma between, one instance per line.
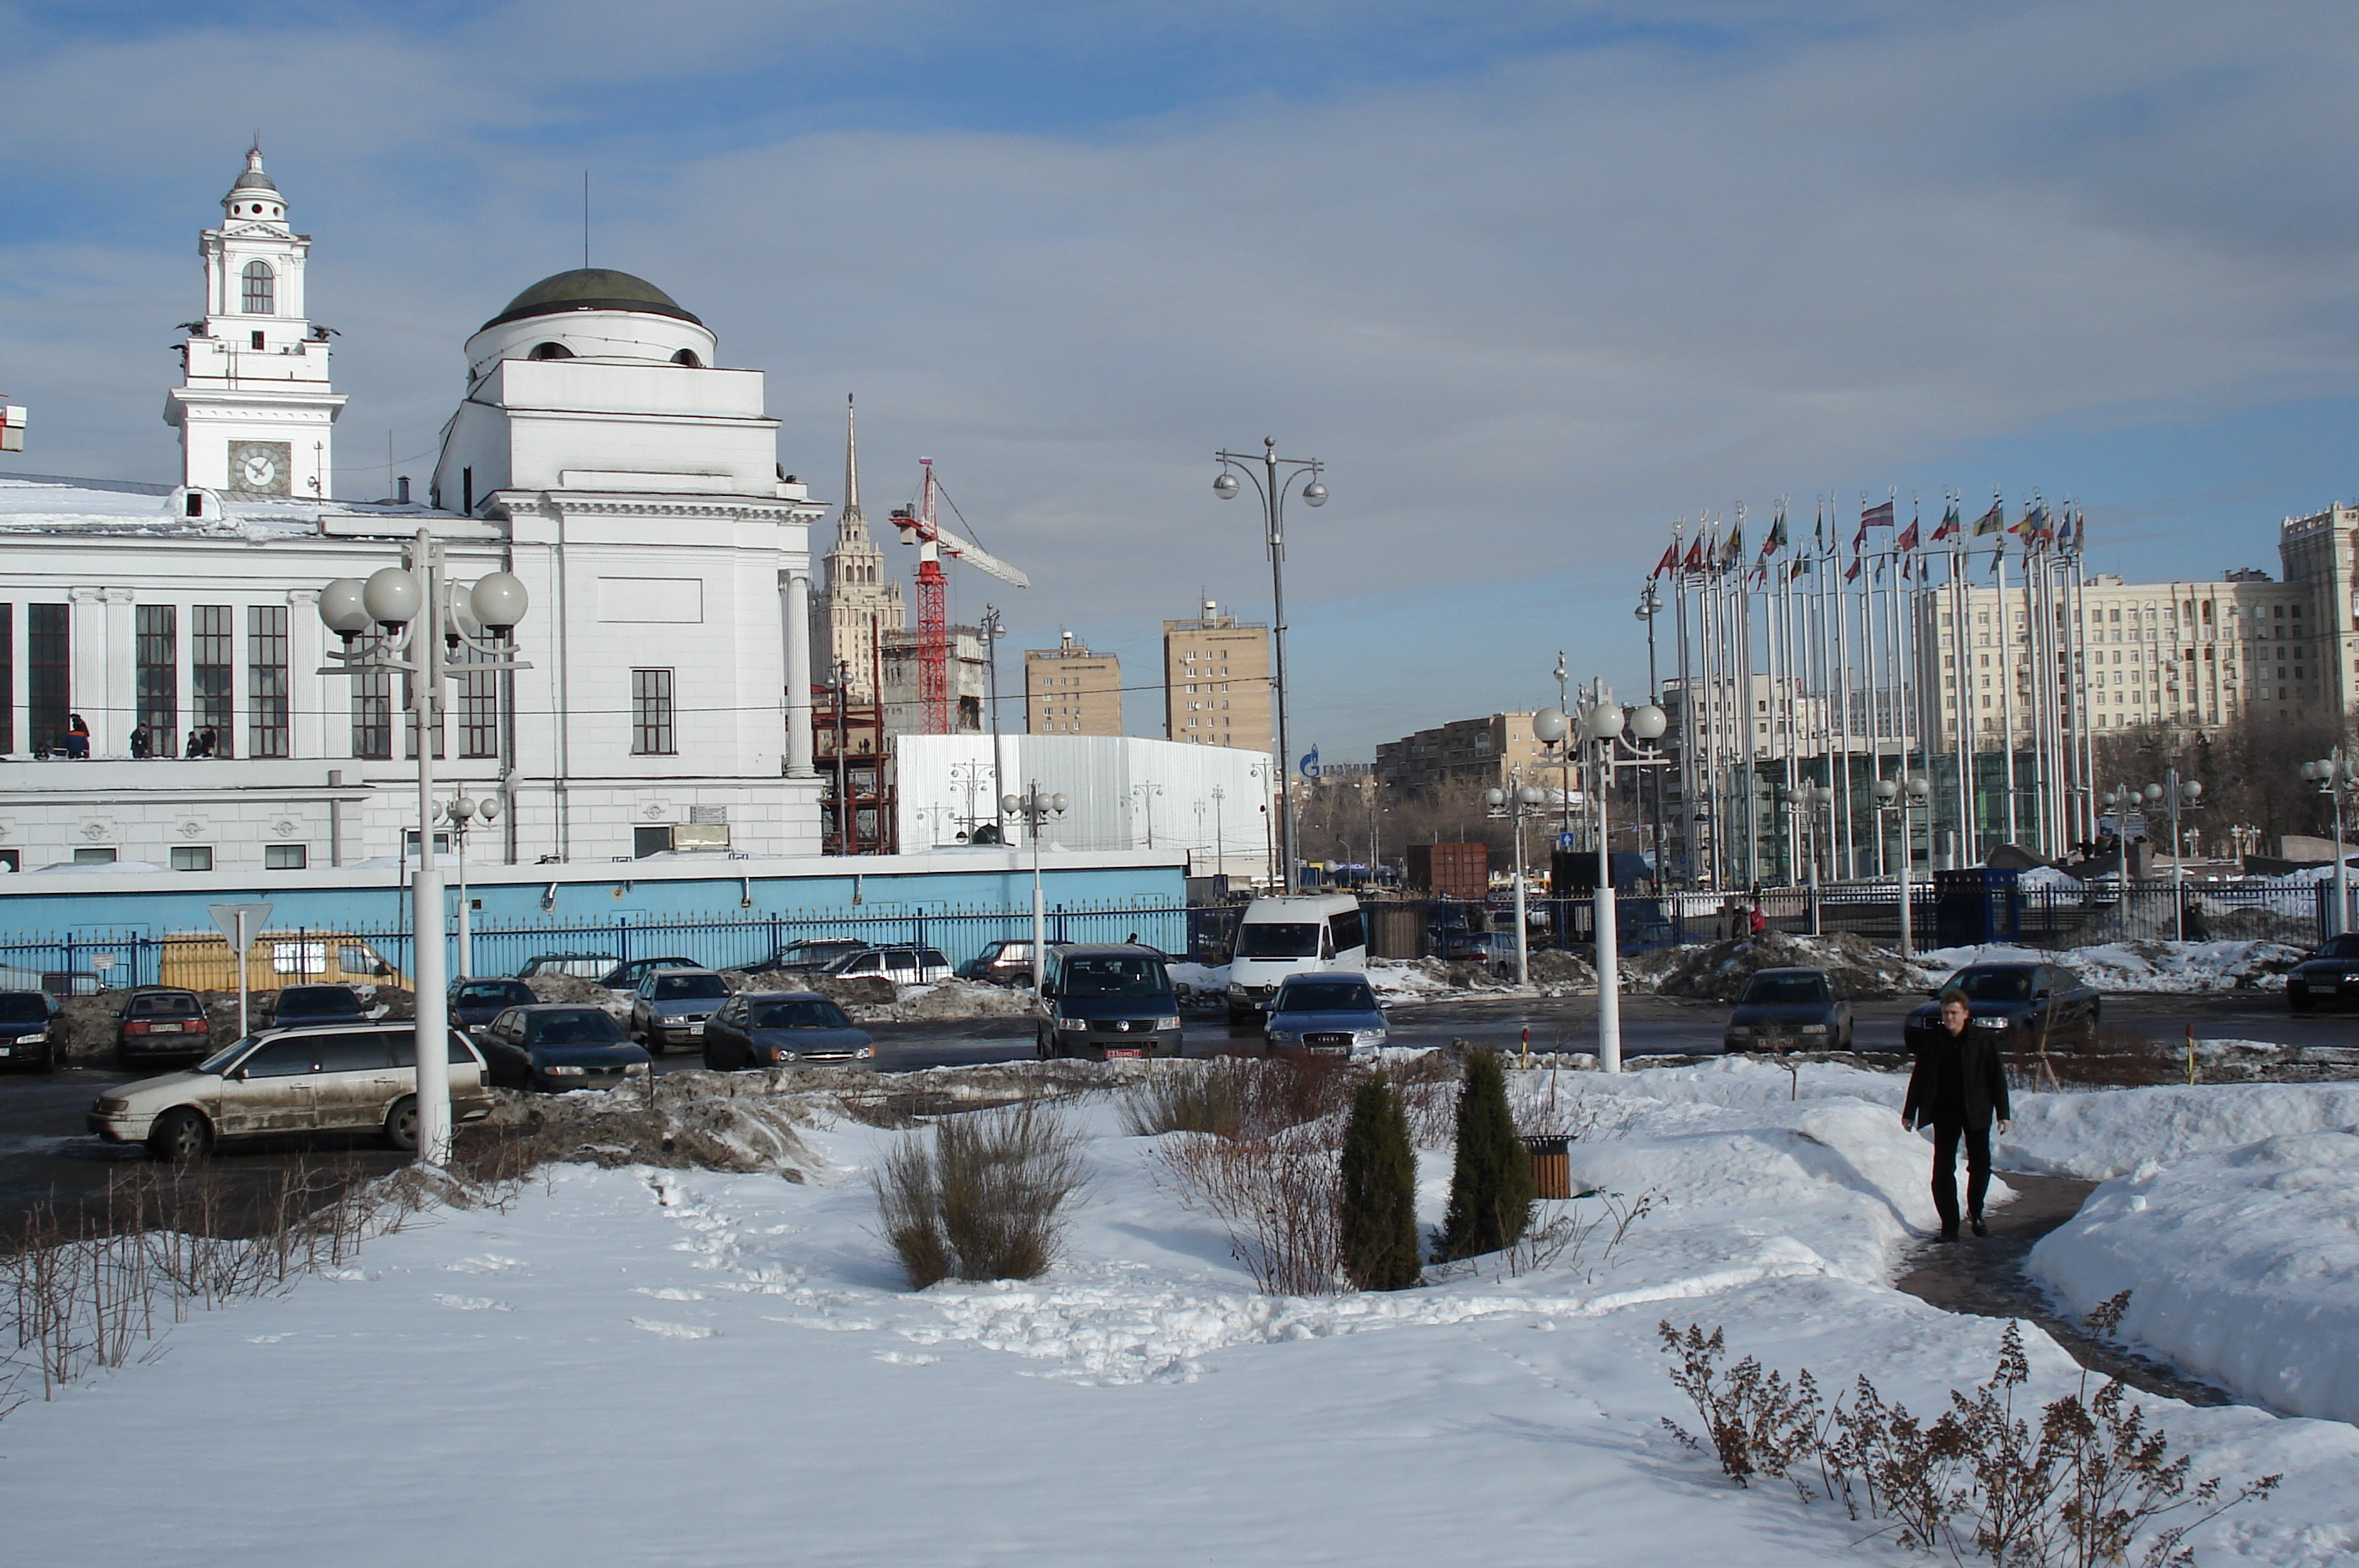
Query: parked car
x=1284, y=936
x=808, y=956
x=673, y=1005
x=474, y=1003
x=558, y=1046
x=626, y=976
x=1325, y=1015
x=343, y=1078
x=300, y=1006
x=902, y=965
x=1106, y=1000
x=1790, y=1010
x=581, y=965
x=25, y=1038
x=161, y=1023
x=761, y=1029
x=1000, y=964
x=2026, y=1006
x=2327, y=978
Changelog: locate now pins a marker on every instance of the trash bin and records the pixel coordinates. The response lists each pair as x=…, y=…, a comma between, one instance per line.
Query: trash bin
x=1551, y=1160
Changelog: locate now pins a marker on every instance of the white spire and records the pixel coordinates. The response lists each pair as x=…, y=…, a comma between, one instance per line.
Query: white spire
x=851, y=466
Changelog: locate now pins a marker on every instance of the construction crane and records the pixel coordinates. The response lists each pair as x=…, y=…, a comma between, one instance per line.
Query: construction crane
x=920, y=527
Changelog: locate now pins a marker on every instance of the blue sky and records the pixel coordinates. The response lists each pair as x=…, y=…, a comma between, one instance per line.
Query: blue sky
x=1534, y=279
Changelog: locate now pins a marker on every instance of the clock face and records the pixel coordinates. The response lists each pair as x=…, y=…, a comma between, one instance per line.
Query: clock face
x=259, y=467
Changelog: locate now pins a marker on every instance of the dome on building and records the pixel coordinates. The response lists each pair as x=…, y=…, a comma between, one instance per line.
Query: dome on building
x=253, y=178
x=591, y=289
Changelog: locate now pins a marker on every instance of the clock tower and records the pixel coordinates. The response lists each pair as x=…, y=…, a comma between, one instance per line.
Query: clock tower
x=254, y=409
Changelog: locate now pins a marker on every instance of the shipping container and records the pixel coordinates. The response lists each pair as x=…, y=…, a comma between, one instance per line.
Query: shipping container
x=1452, y=870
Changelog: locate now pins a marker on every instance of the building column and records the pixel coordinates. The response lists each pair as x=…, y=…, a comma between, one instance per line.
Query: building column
x=311, y=697
x=795, y=628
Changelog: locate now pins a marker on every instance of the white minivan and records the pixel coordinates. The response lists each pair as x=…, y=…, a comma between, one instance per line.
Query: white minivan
x=1295, y=935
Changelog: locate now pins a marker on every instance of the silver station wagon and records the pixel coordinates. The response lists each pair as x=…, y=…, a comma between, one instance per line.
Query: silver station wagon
x=337, y=1078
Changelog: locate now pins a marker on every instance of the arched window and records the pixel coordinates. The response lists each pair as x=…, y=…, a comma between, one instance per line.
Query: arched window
x=552, y=350
x=687, y=356
x=260, y=291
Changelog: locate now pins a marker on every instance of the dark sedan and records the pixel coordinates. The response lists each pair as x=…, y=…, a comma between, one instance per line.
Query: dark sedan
x=26, y=1037
x=558, y=1046
x=2327, y=978
x=2025, y=1007
x=626, y=976
x=1790, y=1010
x=769, y=1028
x=161, y=1021
x=301, y=1007
x=474, y=1003
x=808, y=956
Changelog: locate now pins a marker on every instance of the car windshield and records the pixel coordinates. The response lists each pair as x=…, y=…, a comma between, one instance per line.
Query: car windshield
x=1113, y=976
x=803, y=1014
x=1994, y=984
x=165, y=1004
x=326, y=1001
x=1327, y=997
x=494, y=994
x=1786, y=988
x=588, y=1027
x=1275, y=940
x=22, y=1009
x=2344, y=946
x=689, y=987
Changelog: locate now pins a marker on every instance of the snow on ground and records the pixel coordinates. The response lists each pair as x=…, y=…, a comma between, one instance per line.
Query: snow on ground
x=2152, y=966
x=638, y=1364
x=2243, y=1266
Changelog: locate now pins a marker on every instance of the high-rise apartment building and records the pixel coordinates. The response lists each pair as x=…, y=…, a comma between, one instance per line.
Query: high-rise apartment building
x=1216, y=686
x=1068, y=690
x=859, y=609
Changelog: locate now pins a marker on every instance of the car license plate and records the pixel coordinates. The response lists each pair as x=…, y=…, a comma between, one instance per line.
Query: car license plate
x=5, y=1050
x=163, y=1028
x=1116, y=1050
x=696, y=1028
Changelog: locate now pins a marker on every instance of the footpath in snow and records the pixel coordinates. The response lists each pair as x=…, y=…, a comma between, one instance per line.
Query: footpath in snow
x=635, y=1365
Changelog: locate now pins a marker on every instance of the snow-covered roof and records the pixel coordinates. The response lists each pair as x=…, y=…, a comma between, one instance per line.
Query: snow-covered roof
x=48, y=504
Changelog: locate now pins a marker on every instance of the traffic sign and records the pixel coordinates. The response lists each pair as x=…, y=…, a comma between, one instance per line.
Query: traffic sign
x=238, y=923
x=1568, y=841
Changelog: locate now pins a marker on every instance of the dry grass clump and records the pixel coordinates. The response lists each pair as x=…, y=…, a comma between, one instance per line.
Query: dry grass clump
x=985, y=1197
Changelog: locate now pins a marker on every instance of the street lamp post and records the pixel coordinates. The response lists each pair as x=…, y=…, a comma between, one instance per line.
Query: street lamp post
x=993, y=629
x=462, y=813
x=1892, y=796
x=1146, y=793
x=1650, y=604
x=423, y=622
x=1036, y=808
x=1600, y=727
x=1273, y=489
x=1220, y=839
x=1511, y=803
x=2334, y=774
x=2174, y=795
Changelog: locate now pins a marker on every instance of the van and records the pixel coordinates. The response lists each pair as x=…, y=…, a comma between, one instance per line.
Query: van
x=202, y=961
x=1107, y=1000
x=1295, y=935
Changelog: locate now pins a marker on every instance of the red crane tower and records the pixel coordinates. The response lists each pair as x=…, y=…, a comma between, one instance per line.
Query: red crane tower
x=920, y=527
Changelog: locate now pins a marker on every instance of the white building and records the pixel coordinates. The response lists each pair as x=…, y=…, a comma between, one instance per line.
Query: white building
x=1122, y=792
x=599, y=454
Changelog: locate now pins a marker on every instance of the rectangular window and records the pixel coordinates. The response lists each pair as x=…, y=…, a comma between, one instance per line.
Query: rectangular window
x=286, y=856
x=157, y=686
x=93, y=858
x=192, y=857
x=266, y=679
x=7, y=677
x=409, y=724
x=478, y=707
x=372, y=704
x=651, y=728
x=212, y=669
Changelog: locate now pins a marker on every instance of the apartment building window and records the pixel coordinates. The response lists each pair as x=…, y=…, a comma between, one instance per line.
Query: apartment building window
x=478, y=707
x=372, y=704
x=157, y=676
x=265, y=681
x=7, y=677
x=651, y=712
x=286, y=856
x=212, y=672
x=49, y=672
x=192, y=857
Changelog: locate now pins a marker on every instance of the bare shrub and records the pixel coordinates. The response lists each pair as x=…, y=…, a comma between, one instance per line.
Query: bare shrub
x=984, y=1198
x=1277, y=1197
x=2089, y=1485
x=1579, y=1240
x=1183, y=1096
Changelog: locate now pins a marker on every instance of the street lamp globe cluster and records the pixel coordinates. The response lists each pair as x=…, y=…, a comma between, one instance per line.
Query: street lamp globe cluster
x=2334, y=776
x=2175, y=796
x=1514, y=804
x=1036, y=808
x=1904, y=797
x=424, y=621
x=1280, y=477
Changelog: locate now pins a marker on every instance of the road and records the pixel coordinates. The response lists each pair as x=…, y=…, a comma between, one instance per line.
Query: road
x=46, y=1155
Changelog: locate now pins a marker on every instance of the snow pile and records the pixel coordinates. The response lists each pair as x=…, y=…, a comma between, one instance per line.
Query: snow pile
x=949, y=999
x=2243, y=1265
x=2139, y=967
x=697, y=1120
x=2109, y=1134
x=1719, y=973
x=2048, y=876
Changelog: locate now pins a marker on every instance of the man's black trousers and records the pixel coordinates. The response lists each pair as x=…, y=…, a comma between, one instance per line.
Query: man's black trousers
x=1945, y=1170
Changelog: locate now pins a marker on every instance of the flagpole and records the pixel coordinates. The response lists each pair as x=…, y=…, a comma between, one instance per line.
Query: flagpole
x=1962, y=682
x=1751, y=751
x=1687, y=708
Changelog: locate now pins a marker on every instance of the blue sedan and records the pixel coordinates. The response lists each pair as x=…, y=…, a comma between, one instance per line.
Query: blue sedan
x=1325, y=1015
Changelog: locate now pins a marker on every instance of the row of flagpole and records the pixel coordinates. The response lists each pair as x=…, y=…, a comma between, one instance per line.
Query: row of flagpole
x=1793, y=662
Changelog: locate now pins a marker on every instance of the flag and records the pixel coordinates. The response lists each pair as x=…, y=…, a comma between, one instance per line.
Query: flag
x=1695, y=560
x=1798, y=567
x=1819, y=531
x=2076, y=523
x=1850, y=572
x=1907, y=540
x=1761, y=575
x=2042, y=533
x=1671, y=562
x=1949, y=529
x=1990, y=522
x=1776, y=540
x=2021, y=527
x=1876, y=517
x=1733, y=551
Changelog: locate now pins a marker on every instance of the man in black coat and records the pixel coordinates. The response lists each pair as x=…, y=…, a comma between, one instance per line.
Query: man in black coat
x=1958, y=1087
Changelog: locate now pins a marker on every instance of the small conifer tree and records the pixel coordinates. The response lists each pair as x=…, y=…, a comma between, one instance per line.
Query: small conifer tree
x=1379, y=1205
x=1490, y=1184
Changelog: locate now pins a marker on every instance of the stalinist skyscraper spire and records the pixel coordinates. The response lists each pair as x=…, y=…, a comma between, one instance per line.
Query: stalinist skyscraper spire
x=858, y=604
